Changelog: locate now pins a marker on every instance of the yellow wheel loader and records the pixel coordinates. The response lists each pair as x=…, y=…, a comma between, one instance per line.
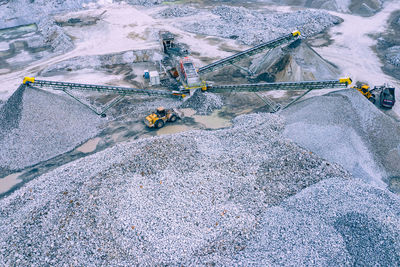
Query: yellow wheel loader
x=158, y=118
x=365, y=91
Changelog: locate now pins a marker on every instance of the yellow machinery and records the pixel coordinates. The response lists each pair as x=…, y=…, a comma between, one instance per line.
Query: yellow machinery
x=365, y=91
x=28, y=80
x=160, y=117
x=296, y=33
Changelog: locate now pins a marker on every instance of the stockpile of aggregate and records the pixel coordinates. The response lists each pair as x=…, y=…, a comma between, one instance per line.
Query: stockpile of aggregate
x=203, y=103
x=344, y=127
x=54, y=35
x=138, y=107
x=393, y=55
x=388, y=46
x=142, y=2
x=333, y=223
x=193, y=197
x=178, y=11
x=41, y=125
x=19, y=12
x=254, y=27
x=360, y=7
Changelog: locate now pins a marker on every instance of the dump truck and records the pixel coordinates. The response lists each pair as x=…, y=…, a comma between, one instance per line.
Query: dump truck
x=161, y=116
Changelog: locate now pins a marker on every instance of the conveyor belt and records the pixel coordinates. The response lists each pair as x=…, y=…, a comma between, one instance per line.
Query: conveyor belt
x=249, y=52
x=99, y=88
x=306, y=85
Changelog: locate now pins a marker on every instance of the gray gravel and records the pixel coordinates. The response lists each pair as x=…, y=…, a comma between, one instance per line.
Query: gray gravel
x=253, y=27
x=179, y=199
x=19, y=12
x=203, y=103
x=44, y=125
x=333, y=223
x=360, y=7
x=350, y=131
x=141, y=2
x=10, y=112
x=393, y=55
x=178, y=11
x=54, y=35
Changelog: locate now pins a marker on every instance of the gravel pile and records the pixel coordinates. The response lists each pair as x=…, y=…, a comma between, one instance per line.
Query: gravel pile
x=178, y=199
x=344, y=127
x=141, y=2
x=393, y=55
x=253, y=27
x=54, y=35
x=19, y=12
x=178, y=11
x=43, y=125
x=138, y=107
x=203, y=103
x=333, y=223
x=10, y=112
x=360, y=7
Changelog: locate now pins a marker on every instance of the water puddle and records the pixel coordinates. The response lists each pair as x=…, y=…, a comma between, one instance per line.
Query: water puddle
x=89, y=146
x=172, y=129
x=213, y=121
x=8, y=182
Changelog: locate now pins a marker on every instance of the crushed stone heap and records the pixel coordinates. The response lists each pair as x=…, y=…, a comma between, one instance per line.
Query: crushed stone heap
x=203, y=103
x=344, y=127
x=253, y=27
x=40, y=125
x=191, y=197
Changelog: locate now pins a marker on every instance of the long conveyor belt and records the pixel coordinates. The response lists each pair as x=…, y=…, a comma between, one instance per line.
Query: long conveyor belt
x=249, y=52
x=98, y=88
x=305, y=85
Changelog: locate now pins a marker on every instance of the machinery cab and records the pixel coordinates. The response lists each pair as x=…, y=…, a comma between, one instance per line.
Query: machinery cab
x=364, y=89
x=161, y=112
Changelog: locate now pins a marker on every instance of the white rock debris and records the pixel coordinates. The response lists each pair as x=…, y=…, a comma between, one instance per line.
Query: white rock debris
x=192, y=197
x=254, y=27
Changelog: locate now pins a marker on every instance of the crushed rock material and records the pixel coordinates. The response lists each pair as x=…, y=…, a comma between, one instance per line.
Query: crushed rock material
x=344, y=127
x=44, y=125
x=178, y=11
x=174, y=199
x=335, y=222
x=253, y=27
x=142, y=2
x=54, y=35
x=204, y=103
x=20, y=12
x=360, y=7
x=393, y=55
